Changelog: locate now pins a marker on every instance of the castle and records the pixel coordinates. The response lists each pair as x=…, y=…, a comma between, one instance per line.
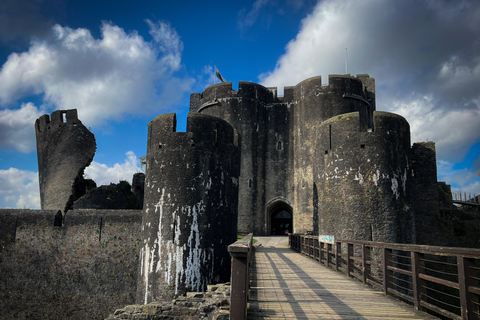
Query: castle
x=319, y=159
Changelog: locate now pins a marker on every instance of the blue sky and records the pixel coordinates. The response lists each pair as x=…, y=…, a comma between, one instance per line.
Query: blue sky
x=122, y=63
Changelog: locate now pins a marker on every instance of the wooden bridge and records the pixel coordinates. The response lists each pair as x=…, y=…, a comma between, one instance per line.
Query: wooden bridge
x=285, y=283
x=466, y=199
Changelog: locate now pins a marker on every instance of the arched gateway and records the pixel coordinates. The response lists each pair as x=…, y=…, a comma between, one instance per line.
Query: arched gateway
x=279, y=217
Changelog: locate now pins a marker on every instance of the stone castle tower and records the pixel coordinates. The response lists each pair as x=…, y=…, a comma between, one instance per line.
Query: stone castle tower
x=321, y=159
x=190, y=206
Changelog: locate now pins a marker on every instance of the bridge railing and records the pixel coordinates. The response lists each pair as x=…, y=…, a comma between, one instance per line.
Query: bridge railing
x=241, y=254
x=442, y=280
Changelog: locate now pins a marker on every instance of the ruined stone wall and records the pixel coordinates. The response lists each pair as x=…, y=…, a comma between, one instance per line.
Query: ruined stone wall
x=65, y=147
x=364, y=178
x=190, y=206
x=425, y=193
x=83, y=270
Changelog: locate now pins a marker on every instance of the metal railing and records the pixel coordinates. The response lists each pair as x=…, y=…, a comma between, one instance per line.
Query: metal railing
x=241, y=254
x=442, y=280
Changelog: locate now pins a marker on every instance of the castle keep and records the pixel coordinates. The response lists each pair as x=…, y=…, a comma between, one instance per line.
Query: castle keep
x=321, y=159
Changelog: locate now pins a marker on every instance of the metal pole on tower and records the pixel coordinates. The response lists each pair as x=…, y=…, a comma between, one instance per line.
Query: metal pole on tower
x=346, y=60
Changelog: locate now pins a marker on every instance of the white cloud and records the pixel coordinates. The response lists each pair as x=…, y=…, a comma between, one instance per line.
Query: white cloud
x=462, y=180
x=424, y=56
x=19, y=189
x=120, y=73
x=17, y=128
x=104, y=175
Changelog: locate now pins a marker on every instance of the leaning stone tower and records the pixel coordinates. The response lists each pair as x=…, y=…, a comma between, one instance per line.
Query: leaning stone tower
x=65, y=147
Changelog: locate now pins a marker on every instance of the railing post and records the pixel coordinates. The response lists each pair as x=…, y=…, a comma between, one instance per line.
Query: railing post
x=418, y=284
x=465, y=273
x=329, y=246
x=387, y=257
x=338, y=255
x=349, y=261
x=364, y=263
x=321, y=247
x=240, y=252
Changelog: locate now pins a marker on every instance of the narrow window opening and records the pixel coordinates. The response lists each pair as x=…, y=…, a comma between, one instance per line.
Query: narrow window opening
x=362, y=146
x=64, y=117
x=330, y=136
x=279, y=146
x=326, y=151
x=250, y=183
x=159, y=146
x=193, y=144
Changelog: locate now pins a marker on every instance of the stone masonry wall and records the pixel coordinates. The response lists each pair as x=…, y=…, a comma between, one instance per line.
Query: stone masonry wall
x=190, y=206
x=83, y=270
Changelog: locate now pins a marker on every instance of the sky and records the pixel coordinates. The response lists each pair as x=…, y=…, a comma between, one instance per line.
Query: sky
x=121, y=63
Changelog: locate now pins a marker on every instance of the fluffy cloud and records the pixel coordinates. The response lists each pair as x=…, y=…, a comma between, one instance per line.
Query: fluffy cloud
x=104, y=175
x=462, y=180
x=423, y=54
x=16, y=128
x=19, y=189
x=120, y=73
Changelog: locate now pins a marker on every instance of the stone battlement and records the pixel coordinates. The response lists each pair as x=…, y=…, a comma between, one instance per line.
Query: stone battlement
x=56, y=120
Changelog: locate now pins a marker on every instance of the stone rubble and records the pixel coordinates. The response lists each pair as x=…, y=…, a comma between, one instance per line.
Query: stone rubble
x=214, y=304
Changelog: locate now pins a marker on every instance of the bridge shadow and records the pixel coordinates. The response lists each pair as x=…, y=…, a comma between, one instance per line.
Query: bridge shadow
x=336, y=305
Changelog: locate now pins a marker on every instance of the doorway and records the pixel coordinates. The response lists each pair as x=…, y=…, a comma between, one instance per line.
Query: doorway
x=280, y=218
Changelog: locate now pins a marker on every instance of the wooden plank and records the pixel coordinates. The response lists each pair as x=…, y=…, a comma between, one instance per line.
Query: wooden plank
x=287, y=285
x=465, y=280
x=399, y=270
x=439, y=281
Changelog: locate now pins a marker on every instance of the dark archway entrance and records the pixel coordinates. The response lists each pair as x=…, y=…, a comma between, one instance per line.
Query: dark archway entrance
x=280, y=218
x=282, y=223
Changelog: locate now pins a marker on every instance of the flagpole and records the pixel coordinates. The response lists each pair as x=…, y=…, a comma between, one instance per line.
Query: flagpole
x=214, y=74
x=346, y=61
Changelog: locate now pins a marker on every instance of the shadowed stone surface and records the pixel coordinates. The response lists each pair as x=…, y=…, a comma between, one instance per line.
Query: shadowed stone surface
x=65, y=147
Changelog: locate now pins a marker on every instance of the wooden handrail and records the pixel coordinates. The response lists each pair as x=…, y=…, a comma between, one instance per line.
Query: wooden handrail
x=381, y=263
x=241, y=254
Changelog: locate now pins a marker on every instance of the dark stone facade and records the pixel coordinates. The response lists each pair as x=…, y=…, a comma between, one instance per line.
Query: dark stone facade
x=190, y=206
x=83, y=270
x=326, y=157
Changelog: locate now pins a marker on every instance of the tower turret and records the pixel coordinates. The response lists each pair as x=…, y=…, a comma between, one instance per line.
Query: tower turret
x=190, y=206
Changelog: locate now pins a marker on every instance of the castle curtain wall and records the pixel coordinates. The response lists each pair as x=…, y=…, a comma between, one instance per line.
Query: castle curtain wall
x=82, y=270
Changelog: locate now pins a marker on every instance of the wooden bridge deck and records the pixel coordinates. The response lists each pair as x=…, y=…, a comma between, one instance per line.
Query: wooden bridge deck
x=286, y=284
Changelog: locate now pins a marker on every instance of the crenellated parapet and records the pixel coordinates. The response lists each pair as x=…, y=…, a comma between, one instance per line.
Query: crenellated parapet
x=57, y=119
x=217, y=93
x=65, y=147
x=190, y=206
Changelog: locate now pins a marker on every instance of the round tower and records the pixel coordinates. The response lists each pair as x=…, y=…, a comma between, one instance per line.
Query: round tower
x=190, y=206
x=364, y=178
x=315, y=103
x=245, y=110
